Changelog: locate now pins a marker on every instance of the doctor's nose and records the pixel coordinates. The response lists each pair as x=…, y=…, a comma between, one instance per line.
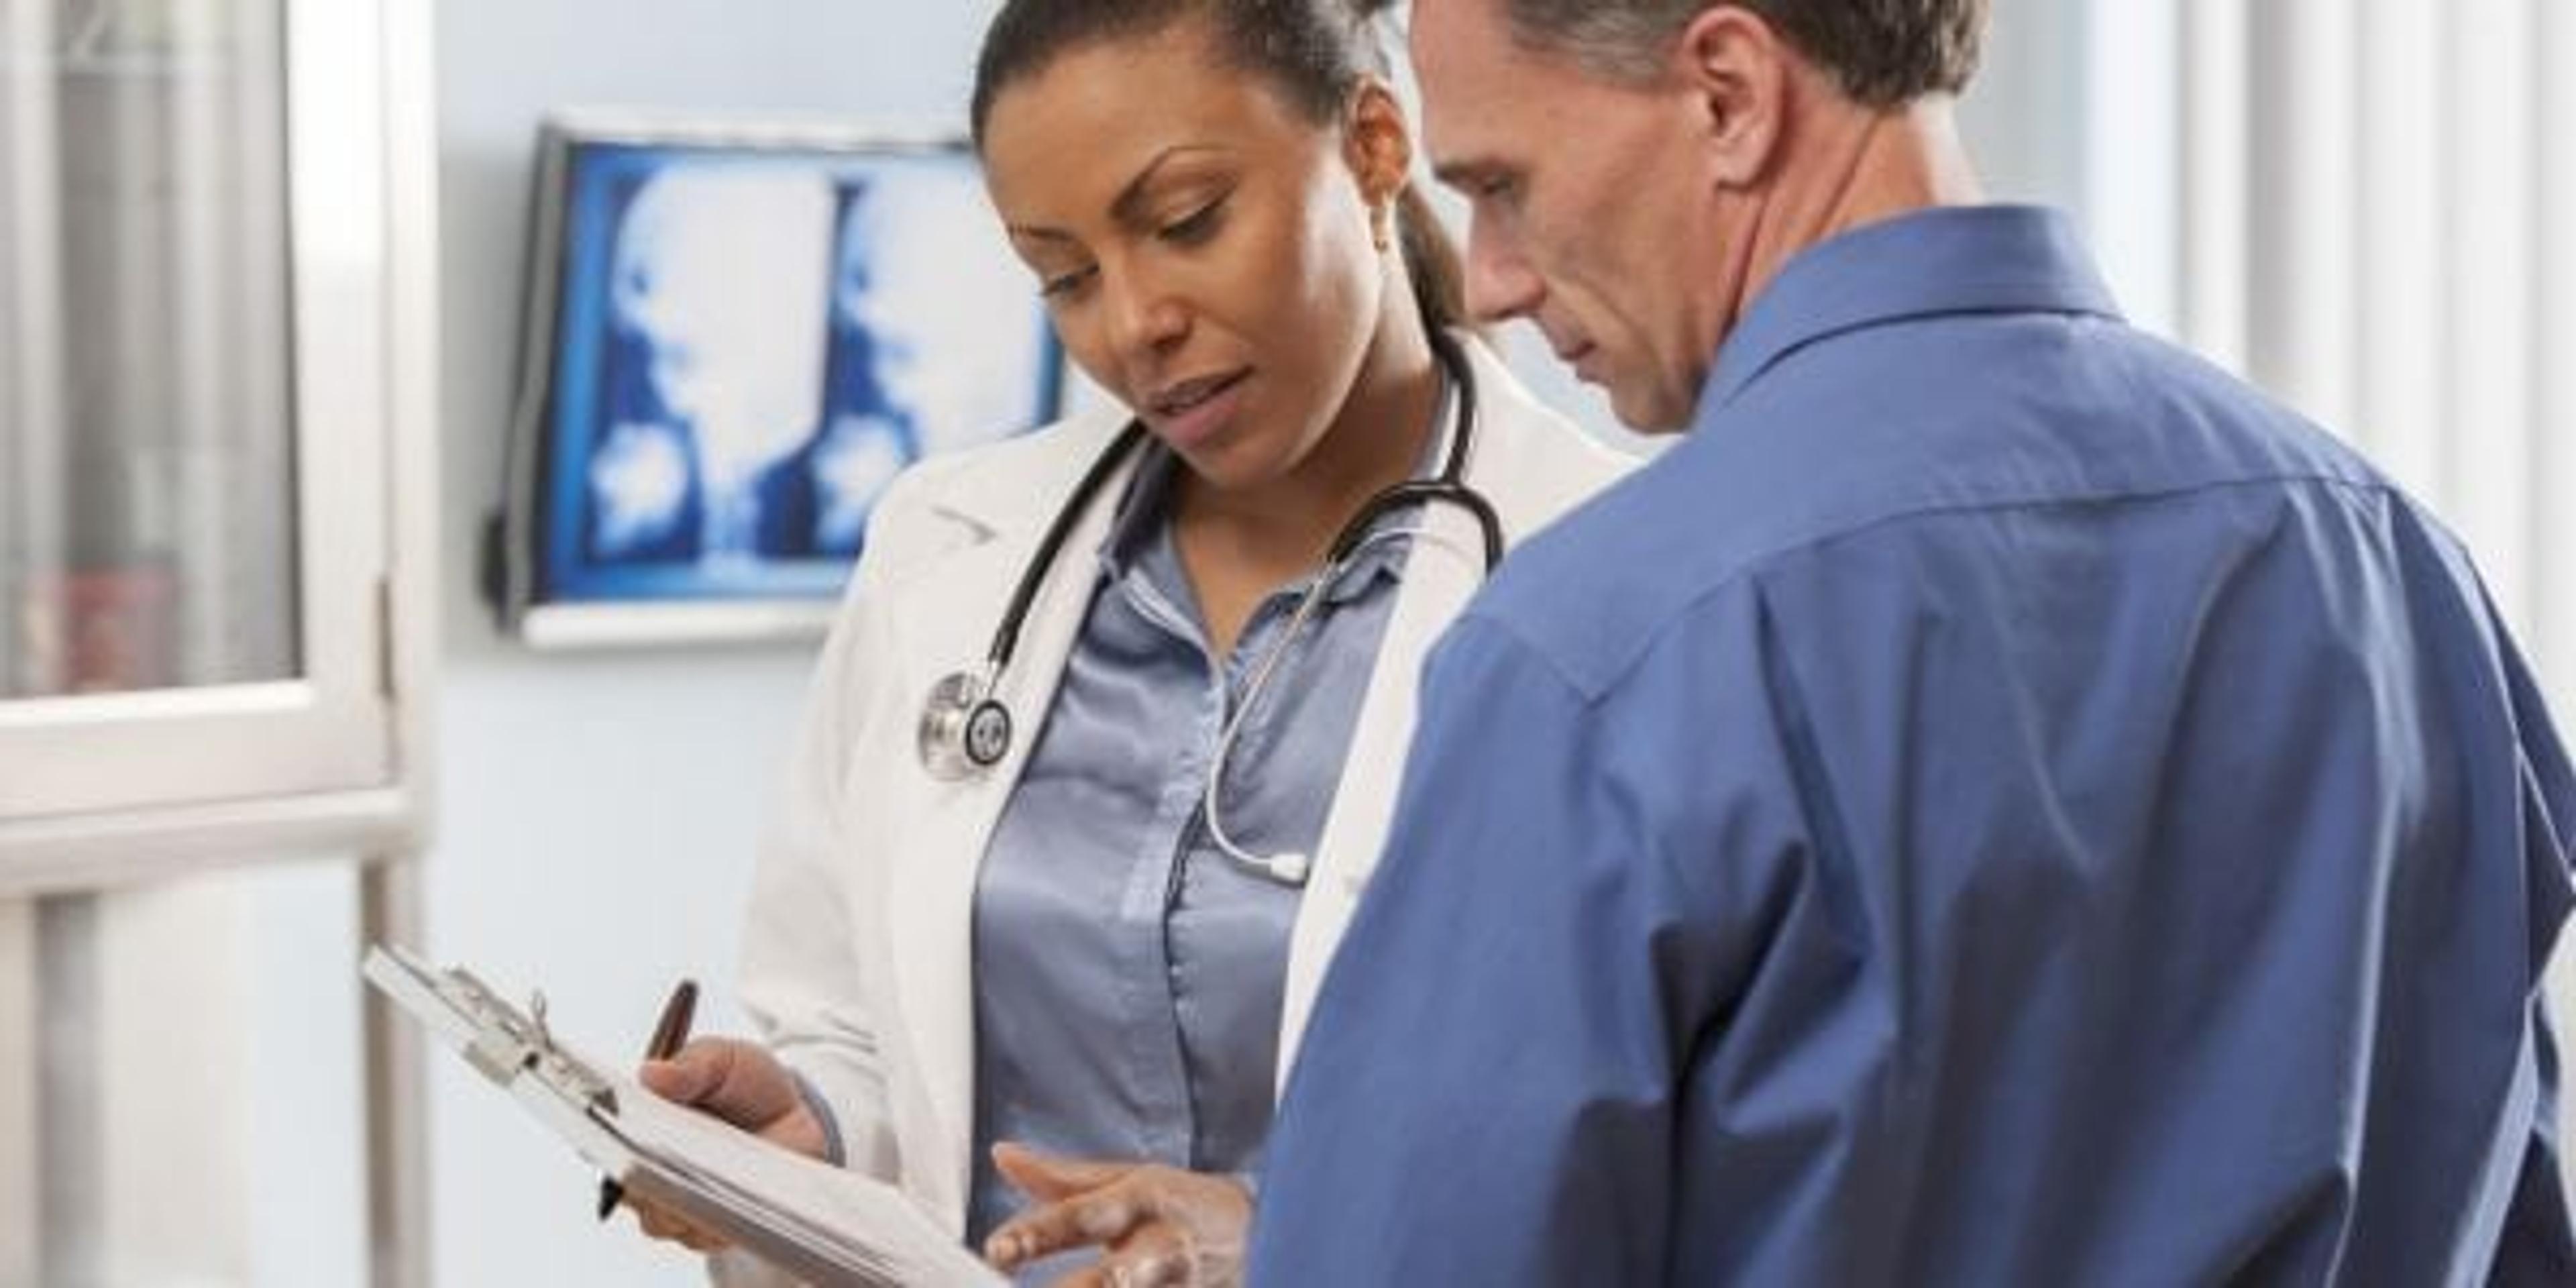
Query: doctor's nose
x=1500, y=283
x=1144, y=321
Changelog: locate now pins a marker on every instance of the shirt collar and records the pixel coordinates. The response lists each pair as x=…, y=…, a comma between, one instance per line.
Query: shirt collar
x=1947, y=259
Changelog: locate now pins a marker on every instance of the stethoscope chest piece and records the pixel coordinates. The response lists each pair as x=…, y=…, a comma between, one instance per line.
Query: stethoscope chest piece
x=964, y=731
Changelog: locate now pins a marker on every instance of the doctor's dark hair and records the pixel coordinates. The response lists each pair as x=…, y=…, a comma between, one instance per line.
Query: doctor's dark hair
x=1314, y=52
x=1883, y=53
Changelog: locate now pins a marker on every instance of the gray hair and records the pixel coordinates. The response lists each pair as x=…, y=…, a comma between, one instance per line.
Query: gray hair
x=1881, y=52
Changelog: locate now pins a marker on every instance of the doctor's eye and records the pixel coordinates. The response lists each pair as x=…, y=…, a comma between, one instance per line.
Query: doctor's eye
x=1195, y=227
x=1063, y=285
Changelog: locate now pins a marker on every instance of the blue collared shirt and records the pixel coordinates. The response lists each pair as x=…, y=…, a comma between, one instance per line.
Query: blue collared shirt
x=1128, y=975
x=2000, y=803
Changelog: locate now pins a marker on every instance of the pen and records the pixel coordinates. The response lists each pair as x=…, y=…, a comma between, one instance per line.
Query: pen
x=670, y=1033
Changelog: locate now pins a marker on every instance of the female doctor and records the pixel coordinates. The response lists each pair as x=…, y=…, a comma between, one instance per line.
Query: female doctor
x=1104, y=742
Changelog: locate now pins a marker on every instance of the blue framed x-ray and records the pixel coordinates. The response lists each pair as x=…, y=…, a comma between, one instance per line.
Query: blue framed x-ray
x=736, y=338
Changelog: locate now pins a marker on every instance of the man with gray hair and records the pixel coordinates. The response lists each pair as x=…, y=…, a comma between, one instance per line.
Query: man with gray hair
x=2002, y=802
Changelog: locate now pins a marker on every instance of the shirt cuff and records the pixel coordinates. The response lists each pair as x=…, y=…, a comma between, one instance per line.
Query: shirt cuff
x=834, y=1152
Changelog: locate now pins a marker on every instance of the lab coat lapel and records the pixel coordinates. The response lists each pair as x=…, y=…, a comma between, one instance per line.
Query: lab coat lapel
x=1531, y=468
x=1439, y=577
x=932, y=890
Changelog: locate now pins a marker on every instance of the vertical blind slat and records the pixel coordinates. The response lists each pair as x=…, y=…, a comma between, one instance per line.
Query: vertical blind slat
x=2553, y=640
x=2401, y=218
x=2215, y=173
x=2553, y=154
x=2303, y=308
x=2132, y=159
x=2488, y=489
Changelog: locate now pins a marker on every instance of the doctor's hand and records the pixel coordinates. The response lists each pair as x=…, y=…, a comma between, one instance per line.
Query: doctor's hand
x=1154, y=1225
x=743, y=1084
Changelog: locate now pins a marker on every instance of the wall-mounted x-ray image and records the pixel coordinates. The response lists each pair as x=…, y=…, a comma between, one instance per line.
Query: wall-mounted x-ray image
x=736, y=338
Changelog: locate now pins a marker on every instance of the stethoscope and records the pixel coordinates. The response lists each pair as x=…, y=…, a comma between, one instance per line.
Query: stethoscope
x=966, y=729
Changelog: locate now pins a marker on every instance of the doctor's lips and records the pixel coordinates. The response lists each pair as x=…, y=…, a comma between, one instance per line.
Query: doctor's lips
x=1192, y=410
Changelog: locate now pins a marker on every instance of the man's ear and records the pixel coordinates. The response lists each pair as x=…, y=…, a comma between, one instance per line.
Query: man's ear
x=1377, y=143
x=1738, y=71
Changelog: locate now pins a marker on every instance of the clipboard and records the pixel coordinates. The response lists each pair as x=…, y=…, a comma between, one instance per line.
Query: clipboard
x=824, y=1224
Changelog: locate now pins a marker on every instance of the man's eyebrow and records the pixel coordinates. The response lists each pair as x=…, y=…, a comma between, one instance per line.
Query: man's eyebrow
x=1463, y=172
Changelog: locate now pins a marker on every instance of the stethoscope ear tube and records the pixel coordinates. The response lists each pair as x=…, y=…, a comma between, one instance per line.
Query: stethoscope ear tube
x=1449, y=486
x=1006, y=635
x=1425, y=493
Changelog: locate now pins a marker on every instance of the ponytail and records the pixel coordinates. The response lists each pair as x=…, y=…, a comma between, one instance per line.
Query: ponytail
x=1431, y=261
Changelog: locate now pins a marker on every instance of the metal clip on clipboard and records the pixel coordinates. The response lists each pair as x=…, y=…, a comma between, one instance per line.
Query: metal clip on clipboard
x=822, y=1223
x=508, y=1042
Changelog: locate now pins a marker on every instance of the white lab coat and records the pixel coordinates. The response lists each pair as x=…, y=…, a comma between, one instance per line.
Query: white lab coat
x=857, y=962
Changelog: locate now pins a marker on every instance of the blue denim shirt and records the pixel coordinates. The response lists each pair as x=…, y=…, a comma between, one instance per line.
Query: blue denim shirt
x=1128, y=974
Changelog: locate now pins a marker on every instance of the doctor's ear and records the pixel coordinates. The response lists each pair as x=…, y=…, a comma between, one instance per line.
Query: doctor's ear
x=1739, y=73
x=1376, y=142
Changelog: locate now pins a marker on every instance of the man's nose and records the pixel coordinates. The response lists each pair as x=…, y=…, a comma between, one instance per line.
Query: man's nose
x=1500, y=282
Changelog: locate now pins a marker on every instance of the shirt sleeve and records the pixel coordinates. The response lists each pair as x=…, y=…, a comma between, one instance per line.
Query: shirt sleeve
x=2549, y=794
x=1575, y=887
x=2538, y=1245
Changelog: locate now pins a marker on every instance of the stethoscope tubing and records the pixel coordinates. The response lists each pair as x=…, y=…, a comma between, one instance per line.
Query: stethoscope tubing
x=1449, y=485
x=965, y=709
x=1006, y=635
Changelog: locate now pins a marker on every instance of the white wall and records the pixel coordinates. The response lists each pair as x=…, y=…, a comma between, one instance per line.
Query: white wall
x=599, y=811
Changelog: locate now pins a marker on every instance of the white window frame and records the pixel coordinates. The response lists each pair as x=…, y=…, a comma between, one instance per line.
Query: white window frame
x=105, y=789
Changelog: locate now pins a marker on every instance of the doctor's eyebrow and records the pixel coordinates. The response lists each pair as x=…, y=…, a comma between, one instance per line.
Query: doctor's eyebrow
x=1129, y=208
x=1129, y=205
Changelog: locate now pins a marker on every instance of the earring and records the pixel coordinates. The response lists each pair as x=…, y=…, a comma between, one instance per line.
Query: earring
x=1378, y=229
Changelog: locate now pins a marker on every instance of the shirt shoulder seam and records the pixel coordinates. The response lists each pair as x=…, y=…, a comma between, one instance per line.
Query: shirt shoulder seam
x=1753, y=567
